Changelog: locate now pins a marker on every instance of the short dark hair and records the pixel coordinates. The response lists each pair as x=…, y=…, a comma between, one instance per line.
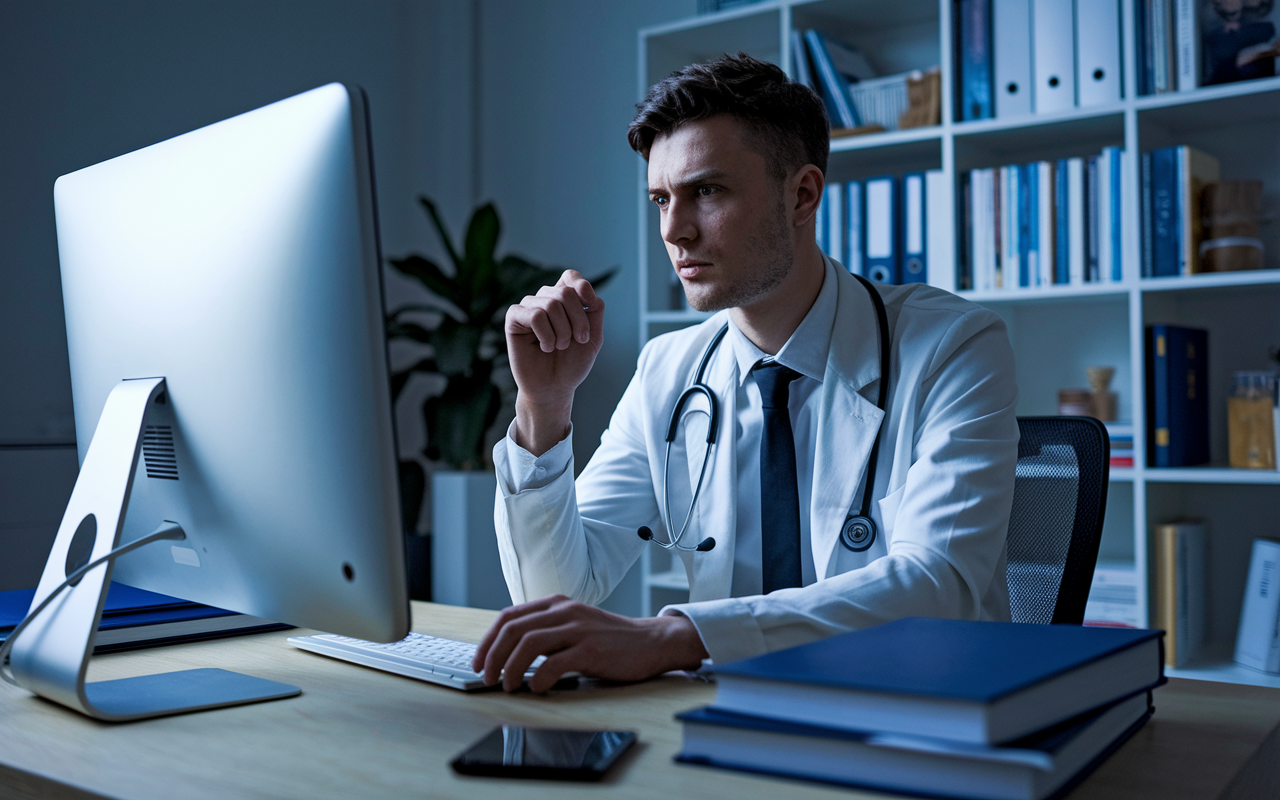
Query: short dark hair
x=786, y=121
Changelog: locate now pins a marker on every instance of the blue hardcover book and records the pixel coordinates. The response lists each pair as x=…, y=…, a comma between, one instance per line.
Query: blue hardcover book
x=1114, y=239
x=880, y=248
x=835, y=91
x=1028, y=227
x=979, y=682
x=800, y=72
x=914, y=225
x=1062, y=223
x=1148, y=268
x=1177, y=396
x=1164, y=213
x=854, y=226
x=973, y=48
x=1046, y=763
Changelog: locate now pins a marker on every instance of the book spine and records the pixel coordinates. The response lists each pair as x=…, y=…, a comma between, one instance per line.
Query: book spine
x=1142, y=50
x=800, y=61
x=1182, y=209
x=856, y=247
x=1077, y=220
x=1026, y=224
x=1166, y=616
x=834, y=203
x=939, y=253
x=1105, y=233
x=833, y=85
x=976, y=59
x=1163, y=218
x=1062, y=214
x=1148, y=269
x=1188, y=37
x=1116, y=239
x=1091, y=227
x=1185, y=391
x=913, y=229
x=1157, y=347
x=1047, y=221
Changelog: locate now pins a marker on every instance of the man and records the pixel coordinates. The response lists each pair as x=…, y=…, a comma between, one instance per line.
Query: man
x=737, y=157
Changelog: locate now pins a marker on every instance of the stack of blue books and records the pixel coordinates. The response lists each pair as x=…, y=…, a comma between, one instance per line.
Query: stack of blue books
x=934, y=707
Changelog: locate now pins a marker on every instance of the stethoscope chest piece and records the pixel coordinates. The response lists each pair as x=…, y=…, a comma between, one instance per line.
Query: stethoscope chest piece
x=858, y=533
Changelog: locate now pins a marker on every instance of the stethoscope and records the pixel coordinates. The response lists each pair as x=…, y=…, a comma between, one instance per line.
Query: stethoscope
x=858, y=532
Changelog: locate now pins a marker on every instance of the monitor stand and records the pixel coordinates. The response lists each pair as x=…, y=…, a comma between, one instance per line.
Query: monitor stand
x=51, y=656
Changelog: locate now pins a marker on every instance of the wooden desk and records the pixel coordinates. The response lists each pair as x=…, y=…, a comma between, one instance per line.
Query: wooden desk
x=357, y=732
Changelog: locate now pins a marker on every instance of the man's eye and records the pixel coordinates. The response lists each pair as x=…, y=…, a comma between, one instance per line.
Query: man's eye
x=706, y=191
x=659, y=201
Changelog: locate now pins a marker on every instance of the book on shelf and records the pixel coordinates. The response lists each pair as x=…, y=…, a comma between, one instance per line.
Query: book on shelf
x=974, y=56
x=1113, y=596
x=977, y=682
x=801, y=69
x=1037, y=766
x=1184, y=44
x=1172, y=219
x=1177, y=384
x=1258, y=638
x=1044, y=223
x=1180, y=589
x=137, y=618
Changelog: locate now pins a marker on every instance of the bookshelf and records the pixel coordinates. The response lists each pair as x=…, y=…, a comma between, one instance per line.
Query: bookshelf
x=1056, y=330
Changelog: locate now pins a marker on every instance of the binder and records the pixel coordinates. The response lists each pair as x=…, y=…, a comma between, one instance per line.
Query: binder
x=1011, y=26
x=820, y=224
x=1077, y=222
x=881, y=262
x=940, y=267
x=1053, y=51
x=1098, y=78
x=853, y=226
x=835, y=91
x=1046, y=245
x=833, y=202
x=973, y=28
x=914, y=264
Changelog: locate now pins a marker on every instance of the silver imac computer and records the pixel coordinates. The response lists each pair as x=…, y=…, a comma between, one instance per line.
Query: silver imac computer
x=225, y=324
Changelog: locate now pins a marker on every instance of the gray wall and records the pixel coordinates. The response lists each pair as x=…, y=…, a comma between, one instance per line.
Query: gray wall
x=522, y=103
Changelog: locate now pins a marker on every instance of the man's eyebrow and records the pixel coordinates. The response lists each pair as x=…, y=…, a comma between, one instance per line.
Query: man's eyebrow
x=696, y=179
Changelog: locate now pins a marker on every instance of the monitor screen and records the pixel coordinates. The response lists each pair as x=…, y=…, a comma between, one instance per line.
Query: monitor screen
x=240, y=262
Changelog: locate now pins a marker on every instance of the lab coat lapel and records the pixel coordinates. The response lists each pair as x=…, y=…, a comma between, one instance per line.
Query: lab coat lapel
x=712, y=572
x=847, y=421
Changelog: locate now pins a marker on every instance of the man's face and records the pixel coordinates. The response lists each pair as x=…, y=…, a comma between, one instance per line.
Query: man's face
x=723, y=217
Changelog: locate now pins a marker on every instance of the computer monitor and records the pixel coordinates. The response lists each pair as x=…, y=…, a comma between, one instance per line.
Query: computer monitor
x=225, y=324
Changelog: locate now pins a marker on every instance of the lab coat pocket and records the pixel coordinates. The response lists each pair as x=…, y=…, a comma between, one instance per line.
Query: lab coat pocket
x=888, y=507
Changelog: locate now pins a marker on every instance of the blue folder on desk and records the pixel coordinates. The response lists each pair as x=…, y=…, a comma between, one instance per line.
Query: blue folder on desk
x=133, y=618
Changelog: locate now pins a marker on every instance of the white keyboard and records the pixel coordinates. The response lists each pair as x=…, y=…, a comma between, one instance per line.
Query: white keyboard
x=427, y=658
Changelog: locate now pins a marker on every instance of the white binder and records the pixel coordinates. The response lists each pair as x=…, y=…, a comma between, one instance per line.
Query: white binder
x=939, y=219
x=1053, y=55
x=1098, y=51
x=1011, y=21
x=834, y=205
x=1076, y=221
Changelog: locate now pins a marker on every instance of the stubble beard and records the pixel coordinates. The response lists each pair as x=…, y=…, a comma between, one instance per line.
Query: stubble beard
x=775, y=257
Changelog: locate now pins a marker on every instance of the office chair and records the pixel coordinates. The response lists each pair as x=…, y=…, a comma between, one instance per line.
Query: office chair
x=1059, y=498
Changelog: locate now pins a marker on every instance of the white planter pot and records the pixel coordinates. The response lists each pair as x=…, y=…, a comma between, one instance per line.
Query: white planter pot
x=465, y=567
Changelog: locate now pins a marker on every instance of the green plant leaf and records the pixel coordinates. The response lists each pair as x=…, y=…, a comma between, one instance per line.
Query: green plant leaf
x=458, y=419
x=426, y=366
x=455, y=344
x=430, y=276
x=409, y=330
x=443, y=231
x=479, y=267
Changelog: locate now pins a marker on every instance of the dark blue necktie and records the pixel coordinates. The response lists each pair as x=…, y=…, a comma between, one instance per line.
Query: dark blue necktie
x=779, y=497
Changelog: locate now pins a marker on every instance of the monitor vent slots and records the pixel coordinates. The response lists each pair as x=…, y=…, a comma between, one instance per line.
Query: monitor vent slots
x=158, y=453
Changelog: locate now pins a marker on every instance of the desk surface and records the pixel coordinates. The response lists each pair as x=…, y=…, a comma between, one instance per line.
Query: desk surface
x=357, y=732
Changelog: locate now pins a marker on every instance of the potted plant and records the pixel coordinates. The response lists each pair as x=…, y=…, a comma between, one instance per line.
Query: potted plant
x=461, y=328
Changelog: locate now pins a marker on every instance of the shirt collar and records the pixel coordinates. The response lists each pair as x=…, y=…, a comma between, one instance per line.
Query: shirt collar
x=807, y=349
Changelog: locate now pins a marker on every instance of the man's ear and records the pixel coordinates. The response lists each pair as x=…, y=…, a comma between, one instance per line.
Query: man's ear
x=806, y=187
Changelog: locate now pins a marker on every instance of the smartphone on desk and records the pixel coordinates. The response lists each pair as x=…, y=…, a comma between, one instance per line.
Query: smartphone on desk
x=514, y=751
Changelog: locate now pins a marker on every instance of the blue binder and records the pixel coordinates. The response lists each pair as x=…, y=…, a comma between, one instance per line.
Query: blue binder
x=880, y=248
x=914, y=226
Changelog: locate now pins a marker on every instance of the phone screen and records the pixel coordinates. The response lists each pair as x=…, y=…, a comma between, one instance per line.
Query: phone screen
x=518, y=752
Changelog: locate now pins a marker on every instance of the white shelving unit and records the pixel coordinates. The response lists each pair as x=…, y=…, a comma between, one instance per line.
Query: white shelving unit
x=1059, y=330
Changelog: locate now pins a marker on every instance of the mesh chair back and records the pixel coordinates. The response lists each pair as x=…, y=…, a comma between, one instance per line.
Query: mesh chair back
x=1059, y=498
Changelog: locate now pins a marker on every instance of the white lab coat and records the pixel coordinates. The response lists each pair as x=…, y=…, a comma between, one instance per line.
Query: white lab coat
x=944, y=481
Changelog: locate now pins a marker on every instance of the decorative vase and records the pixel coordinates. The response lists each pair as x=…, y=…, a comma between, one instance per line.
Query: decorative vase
x=465, y=567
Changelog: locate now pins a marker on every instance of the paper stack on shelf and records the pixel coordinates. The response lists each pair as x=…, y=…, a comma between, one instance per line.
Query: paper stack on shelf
x=934, y=707
x=1113, y=597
